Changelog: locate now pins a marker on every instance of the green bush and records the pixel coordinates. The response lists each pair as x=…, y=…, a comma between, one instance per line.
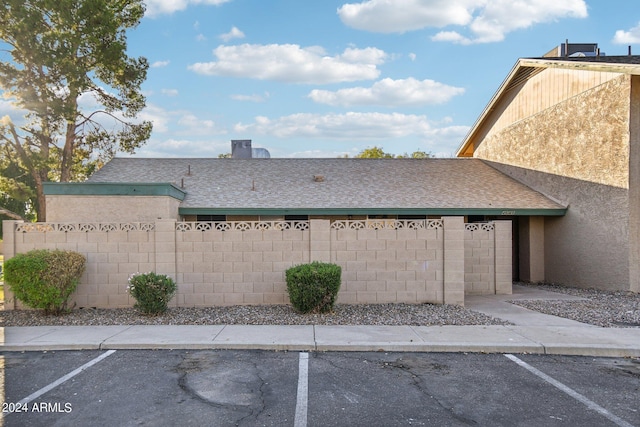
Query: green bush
x=152, y=291
x=44, y=279
x=313, y=288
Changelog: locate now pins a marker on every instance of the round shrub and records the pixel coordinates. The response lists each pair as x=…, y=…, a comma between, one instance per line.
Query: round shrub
x=152, y=291
x=313, y=288
x=44, y=279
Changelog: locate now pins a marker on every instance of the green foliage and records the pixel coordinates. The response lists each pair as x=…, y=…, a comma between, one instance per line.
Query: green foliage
x=374, y=153
x=152, y=291
x=313, y=288
x=59, y=52
x=415, y=155
x=378, y=153
x=44, y=279
x=16, y=188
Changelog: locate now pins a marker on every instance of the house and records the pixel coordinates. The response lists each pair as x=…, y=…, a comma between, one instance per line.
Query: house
x=546, y=187
x=197, y=189
x=568, y=126
x=403, y=230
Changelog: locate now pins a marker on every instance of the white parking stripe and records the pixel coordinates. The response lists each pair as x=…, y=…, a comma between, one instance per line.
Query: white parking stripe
x=580, y=398
x=65, y=378
x=303, y=391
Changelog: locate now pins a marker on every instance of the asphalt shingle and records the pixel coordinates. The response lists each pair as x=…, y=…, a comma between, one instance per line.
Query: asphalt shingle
x=347, y=183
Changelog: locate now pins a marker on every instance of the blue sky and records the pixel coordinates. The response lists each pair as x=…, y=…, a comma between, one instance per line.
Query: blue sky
x=328, y=78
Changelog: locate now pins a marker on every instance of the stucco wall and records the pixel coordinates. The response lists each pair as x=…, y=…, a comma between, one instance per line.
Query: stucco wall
x=585, y=137
x=543, y=89
x=578, y=153
x=588, y=247
x=111, y=208
x=230, y=263
x=634, y=186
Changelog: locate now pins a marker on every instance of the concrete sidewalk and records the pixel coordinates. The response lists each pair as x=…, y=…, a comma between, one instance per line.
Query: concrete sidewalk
x=531, y=332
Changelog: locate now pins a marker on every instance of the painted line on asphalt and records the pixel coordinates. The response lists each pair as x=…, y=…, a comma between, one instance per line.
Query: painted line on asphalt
x=580, y=398
x=67, y=377
x=300, y=419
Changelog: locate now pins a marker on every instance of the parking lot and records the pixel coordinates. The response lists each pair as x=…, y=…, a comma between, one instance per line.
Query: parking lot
x=262, y=388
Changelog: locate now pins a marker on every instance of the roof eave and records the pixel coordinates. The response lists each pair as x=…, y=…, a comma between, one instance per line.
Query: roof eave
x=375, y=211
x=113, y=189
x=487, y=109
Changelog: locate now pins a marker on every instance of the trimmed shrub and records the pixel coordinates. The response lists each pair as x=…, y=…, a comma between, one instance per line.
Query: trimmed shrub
x=44, y=279
x=152, y=291
x=313, y=288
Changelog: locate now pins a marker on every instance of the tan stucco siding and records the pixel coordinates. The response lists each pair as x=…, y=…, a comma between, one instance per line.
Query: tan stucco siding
x=544, y=89
x=589, y=246
x=634, y=185
x=585, y=137
x=577, y=151
x=110, y=208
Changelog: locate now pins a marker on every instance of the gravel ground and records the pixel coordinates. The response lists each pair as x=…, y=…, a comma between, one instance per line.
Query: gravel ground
x=600, y=308
x=379, y=314
x=609, y=309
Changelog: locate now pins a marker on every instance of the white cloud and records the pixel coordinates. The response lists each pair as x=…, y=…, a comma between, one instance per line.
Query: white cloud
x=412, y=56
x=487, y=21
x=251, y=98
x=235, y=33
x=450, y=36
x=178, y=122
x=162, y=7
x=398, y=16
x=159, y=64
x=169, y=92
x=628, y=37
x=293, y=64
x=9, y=111
x=348, y=126
x=390, y=93
x=176, y=147
x=360, y=129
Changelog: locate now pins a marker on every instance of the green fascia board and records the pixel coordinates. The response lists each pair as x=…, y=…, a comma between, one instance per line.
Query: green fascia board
x=372, y=211
x=113, y=189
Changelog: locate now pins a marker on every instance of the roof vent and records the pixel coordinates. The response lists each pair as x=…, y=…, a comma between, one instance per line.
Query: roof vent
x=318, y=178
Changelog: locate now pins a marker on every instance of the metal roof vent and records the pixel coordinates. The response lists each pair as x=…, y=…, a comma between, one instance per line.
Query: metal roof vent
x=240, y=148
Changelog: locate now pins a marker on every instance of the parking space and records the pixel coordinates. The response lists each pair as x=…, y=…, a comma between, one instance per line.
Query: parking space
x=250, y=388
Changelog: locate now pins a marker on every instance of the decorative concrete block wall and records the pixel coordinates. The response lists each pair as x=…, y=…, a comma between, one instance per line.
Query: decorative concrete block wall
x=229, y=263
x=487, y=258
x=389, y=261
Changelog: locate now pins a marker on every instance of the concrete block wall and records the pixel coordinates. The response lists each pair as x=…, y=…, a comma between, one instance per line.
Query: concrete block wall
x=384, y=264
x=232, y=267
x=479, y=251
x=487, y=257
x=112, y=256
x=245, y=262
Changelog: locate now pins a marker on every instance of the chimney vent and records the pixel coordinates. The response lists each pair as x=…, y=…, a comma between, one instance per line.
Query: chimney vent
x=241, y=149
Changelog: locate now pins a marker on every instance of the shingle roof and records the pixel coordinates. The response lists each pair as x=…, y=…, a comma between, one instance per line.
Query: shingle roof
x=605, y=59
x=348, y=183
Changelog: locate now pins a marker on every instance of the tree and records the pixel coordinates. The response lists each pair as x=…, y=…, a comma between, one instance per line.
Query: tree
x=17, y=197
x=418, y=154
x=374, y=153
x=65, y=64
x=378, y=153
